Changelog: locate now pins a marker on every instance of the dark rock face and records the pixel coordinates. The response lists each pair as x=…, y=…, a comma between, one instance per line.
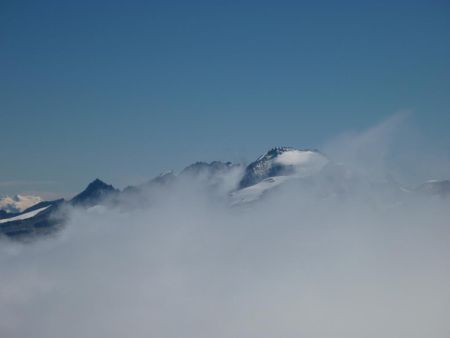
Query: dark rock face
x=204, y=168
x=95, y=192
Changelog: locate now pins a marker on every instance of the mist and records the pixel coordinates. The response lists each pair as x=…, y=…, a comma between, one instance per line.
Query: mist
x=297, y=263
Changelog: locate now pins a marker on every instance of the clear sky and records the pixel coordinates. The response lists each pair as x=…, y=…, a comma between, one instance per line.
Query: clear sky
x=125, y=90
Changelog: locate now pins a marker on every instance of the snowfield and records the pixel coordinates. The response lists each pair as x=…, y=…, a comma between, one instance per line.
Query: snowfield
x=254, y=192
x=305, y=162
x=24, y=216
x=298, y=164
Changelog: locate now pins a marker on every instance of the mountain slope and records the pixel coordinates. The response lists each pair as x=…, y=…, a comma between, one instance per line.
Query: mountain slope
x=273, y=169
x=283, y=161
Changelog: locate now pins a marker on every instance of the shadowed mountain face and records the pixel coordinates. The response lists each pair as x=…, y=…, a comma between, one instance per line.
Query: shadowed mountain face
x=208, y=169
x=95, y=192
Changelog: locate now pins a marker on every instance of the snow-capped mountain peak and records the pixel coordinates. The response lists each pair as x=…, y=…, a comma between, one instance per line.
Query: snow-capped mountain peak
x=283, y=161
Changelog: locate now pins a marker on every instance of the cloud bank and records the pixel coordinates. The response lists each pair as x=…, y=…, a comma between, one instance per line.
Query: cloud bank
x=296, y=264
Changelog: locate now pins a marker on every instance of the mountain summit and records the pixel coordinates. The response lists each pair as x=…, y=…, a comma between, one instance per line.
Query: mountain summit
x=95, y=192
x=283, y=161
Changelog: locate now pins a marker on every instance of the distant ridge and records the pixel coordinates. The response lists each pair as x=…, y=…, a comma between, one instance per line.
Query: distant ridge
x=280, y=166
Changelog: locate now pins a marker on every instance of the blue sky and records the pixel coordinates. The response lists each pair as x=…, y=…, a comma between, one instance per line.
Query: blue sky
x=125, y=90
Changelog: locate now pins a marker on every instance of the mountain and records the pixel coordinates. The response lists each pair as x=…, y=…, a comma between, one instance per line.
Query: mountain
x=144, y=194
x=95, y=193
x=162, y=179
x=41, y=219
x=45, y=217
x=45, y=204
x=218, y=178
x=273, y=169
x=207, y=169
x=283, y=161
x=299, y=170
x=18, y=203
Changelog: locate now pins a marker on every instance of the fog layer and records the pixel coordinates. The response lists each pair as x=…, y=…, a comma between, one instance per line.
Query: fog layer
x=295, y=264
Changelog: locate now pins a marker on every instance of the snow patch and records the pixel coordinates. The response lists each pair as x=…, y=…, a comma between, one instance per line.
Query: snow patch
x=306, y=162
x=254, y=192
x=24, y=216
